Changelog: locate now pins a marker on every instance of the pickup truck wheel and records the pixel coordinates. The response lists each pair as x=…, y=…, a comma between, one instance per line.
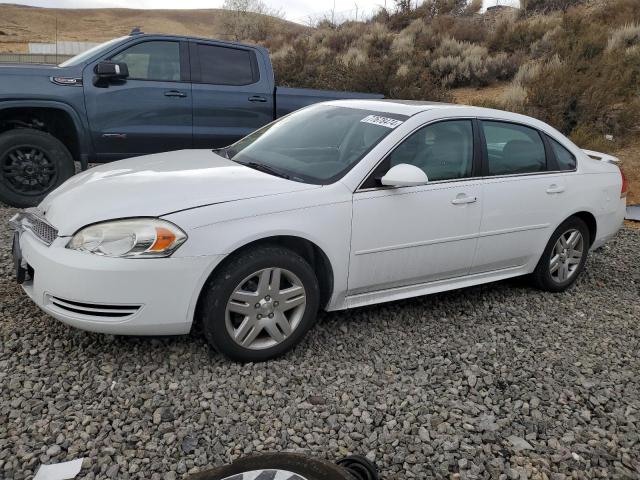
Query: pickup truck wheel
x=32, y=164
x=260, y=304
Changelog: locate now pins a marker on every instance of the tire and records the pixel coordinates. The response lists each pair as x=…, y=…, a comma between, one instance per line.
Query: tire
x=32, y=164
x=222, y=319
x=307, y=467
x=543, y=277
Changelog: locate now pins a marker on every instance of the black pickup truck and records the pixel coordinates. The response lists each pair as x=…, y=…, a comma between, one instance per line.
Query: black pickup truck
x=132, y=96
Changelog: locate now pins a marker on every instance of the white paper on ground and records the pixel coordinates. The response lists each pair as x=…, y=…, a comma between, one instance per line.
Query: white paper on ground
x=59, y=471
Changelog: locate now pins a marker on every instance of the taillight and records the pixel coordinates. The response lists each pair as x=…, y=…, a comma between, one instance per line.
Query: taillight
x=625, y=185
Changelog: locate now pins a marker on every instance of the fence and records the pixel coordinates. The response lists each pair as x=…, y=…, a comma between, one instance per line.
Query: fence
x=33, y=58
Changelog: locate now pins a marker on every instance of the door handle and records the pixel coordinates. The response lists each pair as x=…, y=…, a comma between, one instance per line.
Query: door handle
x=463, y=199
x=175, y=93
x=555, y=189
x=257, y=98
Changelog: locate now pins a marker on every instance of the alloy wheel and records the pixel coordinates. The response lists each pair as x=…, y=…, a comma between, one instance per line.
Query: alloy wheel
x=27, y=170
x=265, y=308
x=566, y=256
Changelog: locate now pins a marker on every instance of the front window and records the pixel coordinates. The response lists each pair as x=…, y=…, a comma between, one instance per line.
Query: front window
x=444, y=150
x=318, y=144
x=154, y=60
x=86, y=55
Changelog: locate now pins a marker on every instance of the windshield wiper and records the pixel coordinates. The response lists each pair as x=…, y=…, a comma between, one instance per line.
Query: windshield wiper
x=267, y=169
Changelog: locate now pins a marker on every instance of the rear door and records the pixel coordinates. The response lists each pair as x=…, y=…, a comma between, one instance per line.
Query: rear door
x=149, y=112
x=523, y=191
x=231, y=97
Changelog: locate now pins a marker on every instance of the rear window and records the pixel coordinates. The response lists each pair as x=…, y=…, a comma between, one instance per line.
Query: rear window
x=227, y=66
x=513, y=149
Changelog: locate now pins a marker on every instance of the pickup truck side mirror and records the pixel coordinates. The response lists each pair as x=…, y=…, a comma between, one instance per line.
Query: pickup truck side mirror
x=110, y=71
x=404, y=175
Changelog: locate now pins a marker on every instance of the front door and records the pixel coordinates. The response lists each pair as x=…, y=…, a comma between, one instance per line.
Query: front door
x=149, y=112
x=414, y=235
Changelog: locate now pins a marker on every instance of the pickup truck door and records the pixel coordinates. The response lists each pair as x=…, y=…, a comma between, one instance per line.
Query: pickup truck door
x=149, y=112
x=232, y=93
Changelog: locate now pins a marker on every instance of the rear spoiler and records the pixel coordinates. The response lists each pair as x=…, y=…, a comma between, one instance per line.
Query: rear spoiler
x=603, y=157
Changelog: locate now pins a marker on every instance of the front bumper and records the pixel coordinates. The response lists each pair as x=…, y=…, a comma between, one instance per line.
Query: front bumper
x=152, y=296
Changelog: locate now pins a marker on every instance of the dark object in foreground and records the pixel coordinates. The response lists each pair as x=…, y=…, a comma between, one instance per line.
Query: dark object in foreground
x=292, y=466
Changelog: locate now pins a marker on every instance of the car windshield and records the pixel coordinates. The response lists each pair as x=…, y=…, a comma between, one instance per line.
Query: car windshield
x=81, y=57
x=318, y=144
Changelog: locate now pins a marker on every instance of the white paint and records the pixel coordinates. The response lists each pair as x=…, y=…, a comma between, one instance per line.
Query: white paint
x=383, y=243
x=59, y=471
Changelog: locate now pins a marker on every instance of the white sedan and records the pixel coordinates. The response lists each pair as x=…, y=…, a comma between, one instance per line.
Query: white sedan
x=338, y=205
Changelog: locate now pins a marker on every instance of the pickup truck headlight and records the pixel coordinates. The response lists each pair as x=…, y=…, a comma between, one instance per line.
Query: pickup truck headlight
x=133, y=238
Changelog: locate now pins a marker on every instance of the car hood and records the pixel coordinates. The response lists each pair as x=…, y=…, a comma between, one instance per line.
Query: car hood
x=155, y=185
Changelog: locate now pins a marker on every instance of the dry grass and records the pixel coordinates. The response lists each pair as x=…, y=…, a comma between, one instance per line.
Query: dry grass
x=478, y=95
x=20, y=24
x=630, y=156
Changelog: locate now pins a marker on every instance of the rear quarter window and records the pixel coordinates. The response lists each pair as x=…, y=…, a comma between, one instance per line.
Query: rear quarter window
x=564, y=158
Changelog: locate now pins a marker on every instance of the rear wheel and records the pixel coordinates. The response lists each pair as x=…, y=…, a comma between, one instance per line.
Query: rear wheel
x=564, y=257
x=260, y=304
x=32, y=164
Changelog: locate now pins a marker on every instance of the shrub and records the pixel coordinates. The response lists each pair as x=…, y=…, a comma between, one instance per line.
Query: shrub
x=463, y=64
x=513, y=98
x=512, y=34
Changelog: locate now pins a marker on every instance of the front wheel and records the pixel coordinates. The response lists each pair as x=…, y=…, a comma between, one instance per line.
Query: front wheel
x=564, y=257
x=260, y=304
x=32, y=164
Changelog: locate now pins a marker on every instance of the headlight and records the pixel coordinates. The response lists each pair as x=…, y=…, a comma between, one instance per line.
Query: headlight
x=134, y=238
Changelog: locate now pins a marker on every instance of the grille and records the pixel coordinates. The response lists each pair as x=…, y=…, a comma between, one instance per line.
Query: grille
x=42, y=229
x=94, y=309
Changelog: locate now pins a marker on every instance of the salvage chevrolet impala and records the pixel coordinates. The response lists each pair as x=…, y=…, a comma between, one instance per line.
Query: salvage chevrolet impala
x=338, y=205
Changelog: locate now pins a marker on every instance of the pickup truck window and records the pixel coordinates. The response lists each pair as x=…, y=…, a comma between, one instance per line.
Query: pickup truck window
x=227, y=66
x=317, y=144
x=154, y=60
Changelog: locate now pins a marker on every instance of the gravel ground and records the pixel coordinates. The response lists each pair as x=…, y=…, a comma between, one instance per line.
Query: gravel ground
x=497, y=381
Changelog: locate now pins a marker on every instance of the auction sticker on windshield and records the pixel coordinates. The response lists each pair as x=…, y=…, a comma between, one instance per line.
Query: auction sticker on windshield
x=383, y=121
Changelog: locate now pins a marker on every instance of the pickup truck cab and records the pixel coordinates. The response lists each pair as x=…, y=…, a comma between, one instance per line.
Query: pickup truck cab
x=130, y=96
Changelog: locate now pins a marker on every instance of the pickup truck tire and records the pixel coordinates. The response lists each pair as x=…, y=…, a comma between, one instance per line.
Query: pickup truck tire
x=32, y=164
x=259, y=304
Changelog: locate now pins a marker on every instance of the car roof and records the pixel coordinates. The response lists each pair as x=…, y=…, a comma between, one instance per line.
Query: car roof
x=412, y=107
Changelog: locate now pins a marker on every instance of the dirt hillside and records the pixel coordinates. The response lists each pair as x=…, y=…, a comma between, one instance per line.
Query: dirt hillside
x=20, y=24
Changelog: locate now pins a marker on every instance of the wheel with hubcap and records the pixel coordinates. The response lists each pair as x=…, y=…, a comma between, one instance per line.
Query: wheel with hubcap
x=564, y=257
x=259, y=304
x=276, y=466
x=32, y=164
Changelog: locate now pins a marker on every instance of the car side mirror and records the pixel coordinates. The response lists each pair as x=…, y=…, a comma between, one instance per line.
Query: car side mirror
x=404, y=175
x=109, y=72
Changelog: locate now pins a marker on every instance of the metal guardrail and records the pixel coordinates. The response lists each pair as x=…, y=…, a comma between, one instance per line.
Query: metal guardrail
x=51, y=59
